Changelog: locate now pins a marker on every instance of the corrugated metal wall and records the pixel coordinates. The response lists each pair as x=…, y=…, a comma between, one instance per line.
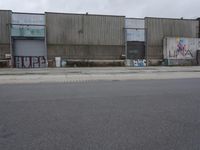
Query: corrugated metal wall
x=85, y=36
x=158, y=28
x=5, y=20
x=199, y=26
x=92, y=52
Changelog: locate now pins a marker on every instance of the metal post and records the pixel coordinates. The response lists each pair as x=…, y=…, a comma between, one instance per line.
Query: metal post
x=126, y=50
x=11, y=42
x=146, y=42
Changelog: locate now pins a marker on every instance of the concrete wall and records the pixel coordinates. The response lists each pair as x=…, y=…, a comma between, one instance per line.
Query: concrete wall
x=5, y=20
x=76, y=36
x=158, y=28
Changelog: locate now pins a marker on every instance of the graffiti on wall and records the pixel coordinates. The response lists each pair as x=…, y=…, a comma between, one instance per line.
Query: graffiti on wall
x=30, y=61
x=183, y=49
x=140, y=63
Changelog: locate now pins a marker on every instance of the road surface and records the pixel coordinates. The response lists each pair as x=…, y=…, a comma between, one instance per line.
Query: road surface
x=101, y=115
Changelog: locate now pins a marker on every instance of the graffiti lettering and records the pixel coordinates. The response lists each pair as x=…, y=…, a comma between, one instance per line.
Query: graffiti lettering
x=177, y=54
x=139, y=63
x=188, y=53
x=29, y=61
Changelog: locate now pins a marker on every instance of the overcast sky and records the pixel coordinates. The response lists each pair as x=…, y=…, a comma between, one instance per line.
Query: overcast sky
x=129, y=8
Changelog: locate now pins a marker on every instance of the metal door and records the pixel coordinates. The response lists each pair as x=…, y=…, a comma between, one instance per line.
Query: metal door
x=29, y=54
x=135, y=50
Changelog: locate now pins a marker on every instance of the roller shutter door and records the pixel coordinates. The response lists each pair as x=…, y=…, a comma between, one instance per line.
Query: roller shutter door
x=29, y=53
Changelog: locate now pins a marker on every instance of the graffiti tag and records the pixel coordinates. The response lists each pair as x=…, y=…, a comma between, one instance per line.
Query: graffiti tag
x=29, y=61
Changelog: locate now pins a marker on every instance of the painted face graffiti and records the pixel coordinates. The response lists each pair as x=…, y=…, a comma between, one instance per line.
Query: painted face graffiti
x=182, y=50
x=181, y=47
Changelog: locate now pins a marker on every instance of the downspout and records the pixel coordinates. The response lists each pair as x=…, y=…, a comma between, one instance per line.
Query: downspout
x=146, y=42
x=45, y=39
x=11, y=41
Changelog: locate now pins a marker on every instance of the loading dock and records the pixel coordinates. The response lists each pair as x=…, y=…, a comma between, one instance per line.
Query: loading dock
x=29, y=53
x=28, y=40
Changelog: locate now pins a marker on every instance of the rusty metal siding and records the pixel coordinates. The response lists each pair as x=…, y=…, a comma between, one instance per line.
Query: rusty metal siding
x=5, y=20
x=85, y=52
x=158, y=28
x=84, y=29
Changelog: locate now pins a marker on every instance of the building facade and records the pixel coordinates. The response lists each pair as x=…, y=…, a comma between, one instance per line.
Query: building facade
x=5, y=45
x=83, y=37
x=157, y=29
x=31, y=40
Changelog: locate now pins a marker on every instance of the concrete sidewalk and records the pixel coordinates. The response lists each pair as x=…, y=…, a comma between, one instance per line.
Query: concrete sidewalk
x=9, y=76
x=97, y=70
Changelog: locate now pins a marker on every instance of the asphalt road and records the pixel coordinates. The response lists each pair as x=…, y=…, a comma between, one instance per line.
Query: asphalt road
x=106, y=115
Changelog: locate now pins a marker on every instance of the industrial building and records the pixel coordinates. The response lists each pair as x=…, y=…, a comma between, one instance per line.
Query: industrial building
x=31, y=40
x=83, y=37
x=157, y=29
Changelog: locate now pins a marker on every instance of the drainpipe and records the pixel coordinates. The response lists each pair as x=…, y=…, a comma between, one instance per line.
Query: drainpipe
x=11, y=43
x=125, y=34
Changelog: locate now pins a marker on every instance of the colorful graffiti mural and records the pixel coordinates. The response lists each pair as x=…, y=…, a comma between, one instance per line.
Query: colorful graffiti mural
x=181, y=48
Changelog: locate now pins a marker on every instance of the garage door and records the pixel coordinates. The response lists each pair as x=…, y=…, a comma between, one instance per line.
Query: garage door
x=135, y=50
x=29, y=54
